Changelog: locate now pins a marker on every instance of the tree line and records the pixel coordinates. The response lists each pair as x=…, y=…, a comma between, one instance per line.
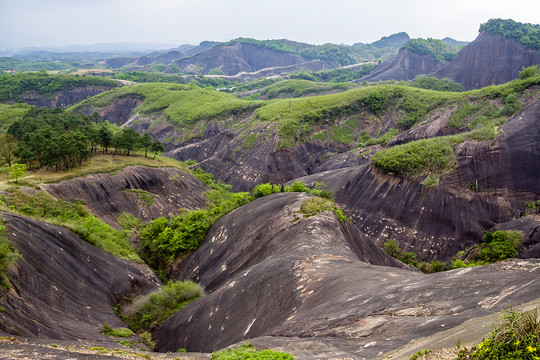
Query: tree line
x=12, y=86
x=58, y=139
x=527, y=34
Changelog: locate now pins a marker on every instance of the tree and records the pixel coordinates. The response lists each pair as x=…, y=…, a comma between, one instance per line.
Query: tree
x=130, y=139
x=146, y=142
x=8, y=145
x=156, y=147
x=17, y=171
x=105, y=136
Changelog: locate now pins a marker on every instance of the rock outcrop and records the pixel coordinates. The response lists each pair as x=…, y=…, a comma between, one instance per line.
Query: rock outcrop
x=63, y=287
x=489, y=60
x=64, y=98
x=404, y=66
x=146, y=193
x=250, y=163
x=491, y=184
x=237, y=57
x=275, y=274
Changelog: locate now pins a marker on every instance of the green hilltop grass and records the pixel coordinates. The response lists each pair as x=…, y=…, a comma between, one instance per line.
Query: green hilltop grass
x=300, y=118
x=299, y=88
x=184, y=105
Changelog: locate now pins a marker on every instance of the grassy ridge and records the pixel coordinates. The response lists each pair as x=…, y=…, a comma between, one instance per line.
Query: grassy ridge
x=12, y=86
x=299, y=88
x=184, y=105
x=300, y=118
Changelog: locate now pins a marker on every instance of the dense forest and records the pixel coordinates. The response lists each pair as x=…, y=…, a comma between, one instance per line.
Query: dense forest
x=55, y=138
x=432, y=47
x=527, y=34
x=12, y=86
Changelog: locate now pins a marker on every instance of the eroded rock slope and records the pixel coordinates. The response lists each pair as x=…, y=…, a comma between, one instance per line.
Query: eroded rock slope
x=489, y=60
x=491, y=183
x=319, y=289
x=63, y=287
x=146, y=193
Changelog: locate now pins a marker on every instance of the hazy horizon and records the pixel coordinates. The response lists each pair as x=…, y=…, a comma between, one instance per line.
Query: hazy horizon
x=59, y=23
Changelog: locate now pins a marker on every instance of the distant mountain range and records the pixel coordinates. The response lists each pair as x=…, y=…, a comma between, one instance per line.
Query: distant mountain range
x=501, y=50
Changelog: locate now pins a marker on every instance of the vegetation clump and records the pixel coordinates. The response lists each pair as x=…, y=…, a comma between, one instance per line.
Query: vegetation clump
x=152, y=309
x=318, y=205
x=248, y=351
x=392, y=248
x=58, y=139
x=8, y=255
x=425, y=156
x=12, y=86
x=339, y=75
x=120, y=332
x=496, y=246
x=527, y=34
x=432, y=47
x=432, y=83
x=75, y=217
x=516, y=337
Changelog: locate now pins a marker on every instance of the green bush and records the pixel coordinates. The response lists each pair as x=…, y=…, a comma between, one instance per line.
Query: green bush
x=154, y=308
x=410, y=258
x=121, y=332
x=265, y=189
x=497, y=246
x=318, y=205
x=426, y=156
x=248, y=351
x=129, y=222
x=392, y=248
x=8, y=255
x=516, y=337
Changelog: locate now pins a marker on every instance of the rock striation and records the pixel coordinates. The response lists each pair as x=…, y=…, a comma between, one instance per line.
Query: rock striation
x=320, y=289
x=489, y=60
x=64, y=98
x=146, y=193
x=63, y=287
x=491, y=183
x=404, y=66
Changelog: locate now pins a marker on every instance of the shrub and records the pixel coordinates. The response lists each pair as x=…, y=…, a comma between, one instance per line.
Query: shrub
x=431, y=156
x=529, y=72
x=265, y=189
x=120, y=332
x=8, y=255
x=497, y=246
x=73, y=216
x=516, y=337
x=248, y=351
x=154, y=308
x=317, y=205
x=392, y=248
x=129, y=222
x=420, y=353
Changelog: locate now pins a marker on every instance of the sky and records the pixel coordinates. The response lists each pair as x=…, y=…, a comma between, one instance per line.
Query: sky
x=173, y=22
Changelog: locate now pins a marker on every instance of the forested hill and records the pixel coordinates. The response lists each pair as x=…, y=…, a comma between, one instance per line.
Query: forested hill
x=437, y=49
x=15, y=85
x=527, y=34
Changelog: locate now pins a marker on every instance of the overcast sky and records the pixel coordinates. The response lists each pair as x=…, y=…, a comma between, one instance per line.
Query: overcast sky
x=175, y=22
